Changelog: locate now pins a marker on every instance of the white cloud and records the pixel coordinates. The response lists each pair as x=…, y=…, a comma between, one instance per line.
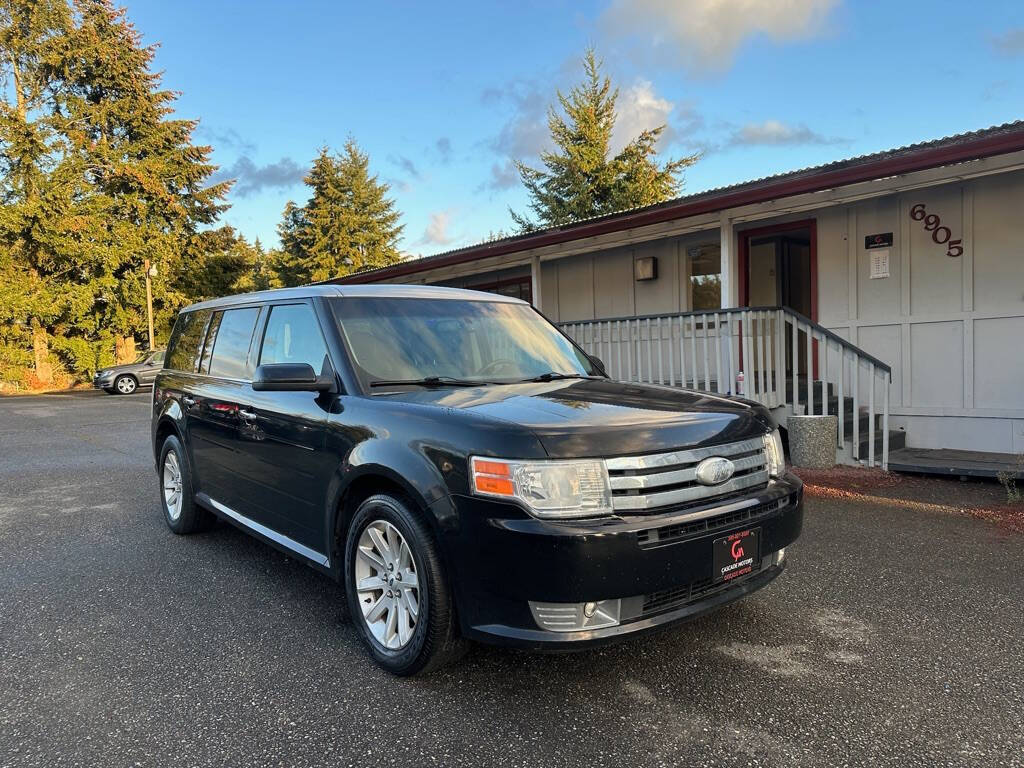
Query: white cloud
x=639, y=109
x=437, y=232
x=777, y=133
x=704, y=35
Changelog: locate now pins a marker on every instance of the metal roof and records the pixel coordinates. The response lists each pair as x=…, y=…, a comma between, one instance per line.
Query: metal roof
x=958, y=148
x=353, y=291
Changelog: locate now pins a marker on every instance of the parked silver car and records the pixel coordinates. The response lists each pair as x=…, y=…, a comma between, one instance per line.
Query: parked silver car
x=125, y=379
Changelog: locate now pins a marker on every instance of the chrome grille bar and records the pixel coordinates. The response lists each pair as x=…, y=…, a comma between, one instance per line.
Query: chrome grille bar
x=689, y=493
x=674, y=477
x=691, y=456
x=670, y=479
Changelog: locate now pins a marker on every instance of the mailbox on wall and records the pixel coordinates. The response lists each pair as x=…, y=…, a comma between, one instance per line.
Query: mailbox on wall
x=645, y=268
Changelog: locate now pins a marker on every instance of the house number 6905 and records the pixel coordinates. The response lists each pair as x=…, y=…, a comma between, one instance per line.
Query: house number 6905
x=940, y=234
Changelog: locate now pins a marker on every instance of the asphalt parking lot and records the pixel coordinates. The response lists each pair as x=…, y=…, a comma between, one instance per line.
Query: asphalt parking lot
x=893, y=638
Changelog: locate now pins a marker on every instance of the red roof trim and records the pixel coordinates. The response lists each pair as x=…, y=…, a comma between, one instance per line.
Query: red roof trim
x=909, y=162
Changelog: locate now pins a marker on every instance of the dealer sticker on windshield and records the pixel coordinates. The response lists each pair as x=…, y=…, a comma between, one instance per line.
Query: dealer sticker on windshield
x=736, y=554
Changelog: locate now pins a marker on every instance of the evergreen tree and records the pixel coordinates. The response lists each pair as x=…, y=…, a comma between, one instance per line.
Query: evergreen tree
x=581, y=179
x=348, y=224
x=97, y=178
x=143, y=188
x=28, y=139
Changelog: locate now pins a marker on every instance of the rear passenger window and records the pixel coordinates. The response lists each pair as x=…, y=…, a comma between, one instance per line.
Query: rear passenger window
x=231, y=344
x=186, y=343
x=293, y=336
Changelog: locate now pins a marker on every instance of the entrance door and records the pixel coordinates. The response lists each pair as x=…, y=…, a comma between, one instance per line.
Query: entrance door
x=778, y=267
x=779, y=270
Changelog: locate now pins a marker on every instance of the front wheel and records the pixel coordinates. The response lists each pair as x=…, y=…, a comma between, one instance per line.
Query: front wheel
x=125, y=385
x=397, y=590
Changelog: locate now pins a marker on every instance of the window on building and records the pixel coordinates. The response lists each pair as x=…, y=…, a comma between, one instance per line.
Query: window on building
x=516, y=287
x=705, y=273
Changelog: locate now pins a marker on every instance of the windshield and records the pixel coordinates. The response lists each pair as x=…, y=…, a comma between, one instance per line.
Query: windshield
x=406, y=339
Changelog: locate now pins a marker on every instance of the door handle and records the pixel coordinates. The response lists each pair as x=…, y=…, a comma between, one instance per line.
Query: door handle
x=188, y=401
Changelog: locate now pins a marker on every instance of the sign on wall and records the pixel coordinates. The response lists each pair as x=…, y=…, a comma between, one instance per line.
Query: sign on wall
x=940, y=234
x=881, y=240
x=879, y=263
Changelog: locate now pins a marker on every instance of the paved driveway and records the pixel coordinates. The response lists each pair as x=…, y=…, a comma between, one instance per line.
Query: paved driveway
x=893, y=638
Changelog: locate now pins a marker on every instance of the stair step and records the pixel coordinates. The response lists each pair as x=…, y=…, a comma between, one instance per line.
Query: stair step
x=897, y=440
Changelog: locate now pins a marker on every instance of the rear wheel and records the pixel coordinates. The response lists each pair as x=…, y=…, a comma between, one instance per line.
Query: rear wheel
x=181, y=512
x=125, y=385
x=397, y=590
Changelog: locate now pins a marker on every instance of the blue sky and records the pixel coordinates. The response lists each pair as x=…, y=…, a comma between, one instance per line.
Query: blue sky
x=442, y=95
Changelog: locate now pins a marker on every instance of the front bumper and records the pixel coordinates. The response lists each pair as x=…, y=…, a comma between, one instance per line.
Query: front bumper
x=659, y=567
x=103, y=382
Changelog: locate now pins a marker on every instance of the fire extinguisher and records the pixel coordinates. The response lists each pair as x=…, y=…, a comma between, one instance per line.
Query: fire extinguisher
x=739, y=384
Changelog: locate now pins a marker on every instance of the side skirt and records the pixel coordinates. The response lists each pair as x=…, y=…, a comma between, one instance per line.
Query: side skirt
x=269, y=535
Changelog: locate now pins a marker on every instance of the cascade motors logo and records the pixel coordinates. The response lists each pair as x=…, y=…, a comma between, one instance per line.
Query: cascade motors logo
x=714, y=470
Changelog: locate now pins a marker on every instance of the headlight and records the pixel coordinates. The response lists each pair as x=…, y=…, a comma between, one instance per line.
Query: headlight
x=554, y=490
x=776, y=461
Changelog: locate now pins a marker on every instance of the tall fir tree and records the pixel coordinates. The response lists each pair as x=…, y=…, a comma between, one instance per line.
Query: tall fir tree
x=98, y=179
x=28, y=140
x=144, y=190
x=581, y=178
x=348, y=224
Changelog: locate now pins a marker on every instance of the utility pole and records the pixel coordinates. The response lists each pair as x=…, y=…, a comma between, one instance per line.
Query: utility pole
x=150, y=273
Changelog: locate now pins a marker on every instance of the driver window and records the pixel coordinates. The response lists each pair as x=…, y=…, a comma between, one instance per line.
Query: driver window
x=293, y=336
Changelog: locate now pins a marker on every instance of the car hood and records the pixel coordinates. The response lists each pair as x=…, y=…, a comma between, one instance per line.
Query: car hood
x=599, y=417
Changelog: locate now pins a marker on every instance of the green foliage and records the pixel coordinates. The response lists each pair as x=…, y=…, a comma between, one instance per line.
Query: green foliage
x=347, y=225
x=96, y=179
x=580, y=179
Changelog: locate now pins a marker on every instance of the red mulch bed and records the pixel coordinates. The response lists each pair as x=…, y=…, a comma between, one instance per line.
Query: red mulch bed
x=983, y=499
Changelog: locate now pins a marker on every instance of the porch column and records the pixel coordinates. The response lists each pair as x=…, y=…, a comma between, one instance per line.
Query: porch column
x=535, y=281
x=730, y=279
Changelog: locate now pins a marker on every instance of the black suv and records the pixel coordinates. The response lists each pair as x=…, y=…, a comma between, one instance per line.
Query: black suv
x=464, y=469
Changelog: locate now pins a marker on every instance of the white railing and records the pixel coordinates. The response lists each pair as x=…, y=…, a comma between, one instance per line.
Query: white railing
x=754, y=352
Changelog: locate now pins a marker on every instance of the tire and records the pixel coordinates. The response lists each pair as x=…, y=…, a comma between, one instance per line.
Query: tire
x=434, y=639
x=181, y=514
x=125, y=385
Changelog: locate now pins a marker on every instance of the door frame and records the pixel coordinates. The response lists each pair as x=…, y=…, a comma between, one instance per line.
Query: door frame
x=778, y=229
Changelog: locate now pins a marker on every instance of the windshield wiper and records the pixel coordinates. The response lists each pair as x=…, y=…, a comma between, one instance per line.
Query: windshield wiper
x=429, y=381
x=553, y=376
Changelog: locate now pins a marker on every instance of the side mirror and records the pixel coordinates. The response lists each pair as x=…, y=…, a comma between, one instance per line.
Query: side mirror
x=599, y=364
x=290, y=377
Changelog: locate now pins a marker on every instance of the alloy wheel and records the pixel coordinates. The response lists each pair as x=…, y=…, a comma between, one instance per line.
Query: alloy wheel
x=172, y=485
x=387, y=584
x=126, y=385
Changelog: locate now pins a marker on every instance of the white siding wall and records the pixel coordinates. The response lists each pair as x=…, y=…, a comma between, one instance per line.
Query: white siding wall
x=601, y=284
x=952, y=328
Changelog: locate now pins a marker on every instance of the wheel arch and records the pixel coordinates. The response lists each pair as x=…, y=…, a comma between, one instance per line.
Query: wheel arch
x=360, y=484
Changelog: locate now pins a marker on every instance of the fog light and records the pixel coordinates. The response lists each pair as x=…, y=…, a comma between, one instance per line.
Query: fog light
x=780, y=556
x=573, y=617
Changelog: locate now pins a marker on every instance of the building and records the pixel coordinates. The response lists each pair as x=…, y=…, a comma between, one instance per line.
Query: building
x=910, y=260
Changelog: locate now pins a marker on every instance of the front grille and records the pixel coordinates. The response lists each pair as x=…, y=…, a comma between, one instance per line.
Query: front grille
x=641, y=483
x=679, y=597
x=670, y=534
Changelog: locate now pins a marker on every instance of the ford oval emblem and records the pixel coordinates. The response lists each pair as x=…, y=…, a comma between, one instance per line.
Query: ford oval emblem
x=714, y=470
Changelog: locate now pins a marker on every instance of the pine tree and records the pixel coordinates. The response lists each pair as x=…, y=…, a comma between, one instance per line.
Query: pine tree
x=28, y=139
x=348, y=224
x=580, y=179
